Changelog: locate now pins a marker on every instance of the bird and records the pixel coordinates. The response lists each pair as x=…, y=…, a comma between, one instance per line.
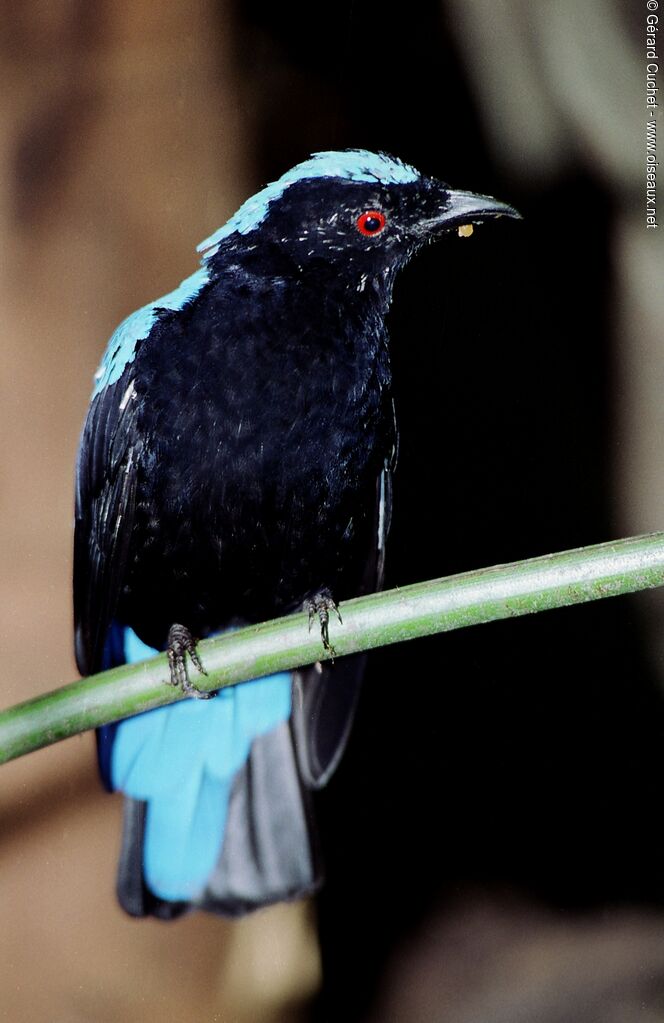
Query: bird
x=235, y=465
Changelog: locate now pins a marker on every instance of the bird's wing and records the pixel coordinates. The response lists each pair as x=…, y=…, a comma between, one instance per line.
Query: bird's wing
x=105, y=498
x=325, y=695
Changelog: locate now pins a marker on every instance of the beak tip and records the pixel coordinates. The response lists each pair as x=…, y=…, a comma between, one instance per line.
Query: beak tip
x=469, y=207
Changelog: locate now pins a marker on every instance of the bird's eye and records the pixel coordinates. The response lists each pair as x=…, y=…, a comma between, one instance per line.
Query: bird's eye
x=370, y=223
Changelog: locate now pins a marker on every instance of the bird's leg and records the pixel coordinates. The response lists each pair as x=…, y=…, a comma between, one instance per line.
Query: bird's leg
x=320, y=605
x=180, y=643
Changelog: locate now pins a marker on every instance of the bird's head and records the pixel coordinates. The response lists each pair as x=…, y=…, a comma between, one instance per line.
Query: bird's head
x=358, y=213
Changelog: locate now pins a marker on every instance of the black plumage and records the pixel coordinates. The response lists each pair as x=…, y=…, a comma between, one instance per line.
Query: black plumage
x=236, y=461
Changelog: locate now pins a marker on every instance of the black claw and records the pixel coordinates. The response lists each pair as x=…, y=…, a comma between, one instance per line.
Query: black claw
x=180, y=643
x=320, y=606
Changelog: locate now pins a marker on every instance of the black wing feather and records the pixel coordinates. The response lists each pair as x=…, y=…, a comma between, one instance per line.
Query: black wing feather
x=106, y=474
x=325, y=695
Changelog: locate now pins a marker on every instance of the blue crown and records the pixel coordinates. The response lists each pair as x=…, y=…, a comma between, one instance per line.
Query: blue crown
x=349, y=164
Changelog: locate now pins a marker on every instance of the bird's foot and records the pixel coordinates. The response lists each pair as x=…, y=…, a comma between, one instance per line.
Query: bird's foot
x=320, y=606
x=180, y=643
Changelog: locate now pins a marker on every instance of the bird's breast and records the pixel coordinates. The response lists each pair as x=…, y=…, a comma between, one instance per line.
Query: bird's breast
x=263, y=444
x=275, y=399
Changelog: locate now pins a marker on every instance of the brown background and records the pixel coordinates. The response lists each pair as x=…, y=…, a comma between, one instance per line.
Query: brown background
x=128, y=132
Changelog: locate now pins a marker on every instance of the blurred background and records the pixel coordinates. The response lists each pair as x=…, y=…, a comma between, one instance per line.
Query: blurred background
x=494, y=837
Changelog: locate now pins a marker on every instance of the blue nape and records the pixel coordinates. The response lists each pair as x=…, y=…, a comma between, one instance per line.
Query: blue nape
x=121, y=348
x=181, y=759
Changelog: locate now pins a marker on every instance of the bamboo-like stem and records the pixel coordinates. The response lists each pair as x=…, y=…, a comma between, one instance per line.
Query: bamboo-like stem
x=440, y=605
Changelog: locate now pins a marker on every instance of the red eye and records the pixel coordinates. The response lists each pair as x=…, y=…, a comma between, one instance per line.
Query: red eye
x=370, y=223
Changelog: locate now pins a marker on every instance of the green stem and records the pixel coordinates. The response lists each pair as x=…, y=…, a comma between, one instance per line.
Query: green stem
x=504, y=591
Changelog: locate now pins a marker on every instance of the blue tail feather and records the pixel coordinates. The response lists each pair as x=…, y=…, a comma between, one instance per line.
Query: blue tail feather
x=181, y=760
x=183, y=836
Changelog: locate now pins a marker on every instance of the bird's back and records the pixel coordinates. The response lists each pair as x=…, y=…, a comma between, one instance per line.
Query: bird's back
x=266, y=418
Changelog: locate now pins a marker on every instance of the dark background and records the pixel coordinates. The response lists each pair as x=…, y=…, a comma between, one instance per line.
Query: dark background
x=516, y=766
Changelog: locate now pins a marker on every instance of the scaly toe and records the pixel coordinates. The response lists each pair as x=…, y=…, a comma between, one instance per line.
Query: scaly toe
x=320, y=606
x=180, y=643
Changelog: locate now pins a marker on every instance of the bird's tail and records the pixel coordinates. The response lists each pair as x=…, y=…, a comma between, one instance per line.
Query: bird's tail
x=217, y=810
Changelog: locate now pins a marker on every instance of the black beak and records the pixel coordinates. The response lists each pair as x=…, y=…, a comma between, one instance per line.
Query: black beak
x=467, y=208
